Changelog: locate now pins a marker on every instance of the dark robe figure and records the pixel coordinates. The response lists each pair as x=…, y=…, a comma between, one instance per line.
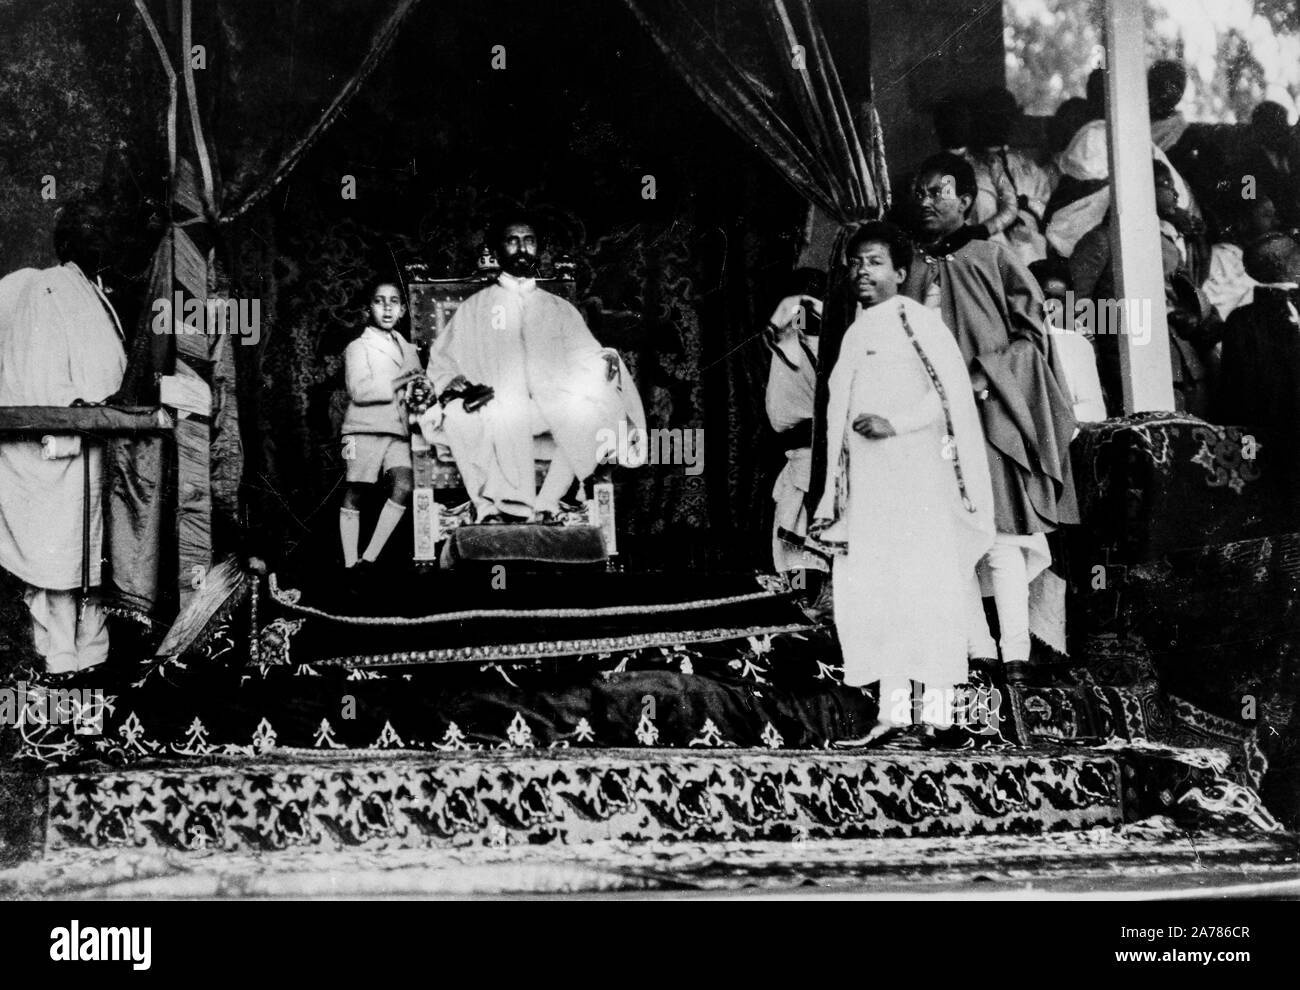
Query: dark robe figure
x=1259, y=384
x=1270, y=154
x=1194, y=325
x=995, y=309
x=1190, y=150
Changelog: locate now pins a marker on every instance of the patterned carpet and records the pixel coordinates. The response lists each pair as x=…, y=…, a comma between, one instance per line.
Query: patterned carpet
x=579, y=796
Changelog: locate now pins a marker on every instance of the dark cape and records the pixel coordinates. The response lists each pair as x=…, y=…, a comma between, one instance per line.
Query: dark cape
x=1259, y=384
x=994, y=307
x=1195, y=327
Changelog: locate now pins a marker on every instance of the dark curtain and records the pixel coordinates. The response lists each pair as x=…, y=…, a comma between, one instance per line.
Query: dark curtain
x=305, y=60
x=787, y=99
x=249, y=89
x=676, y=282
x=784, y=97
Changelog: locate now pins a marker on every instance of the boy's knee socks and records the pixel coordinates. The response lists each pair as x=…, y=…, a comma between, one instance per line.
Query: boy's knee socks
x=350, y=533
x=388, y=519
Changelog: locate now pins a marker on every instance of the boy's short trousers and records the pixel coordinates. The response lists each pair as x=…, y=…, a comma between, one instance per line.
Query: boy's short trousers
x=368, y=455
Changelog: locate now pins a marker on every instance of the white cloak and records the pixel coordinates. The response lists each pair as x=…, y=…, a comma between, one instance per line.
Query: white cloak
x=549, y=375
x=911, y=540
x=59, y=341
x=1087, y=158
x=789, y=401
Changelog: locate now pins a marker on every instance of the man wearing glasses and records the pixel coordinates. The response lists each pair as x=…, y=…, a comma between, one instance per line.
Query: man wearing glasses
x=993, y=306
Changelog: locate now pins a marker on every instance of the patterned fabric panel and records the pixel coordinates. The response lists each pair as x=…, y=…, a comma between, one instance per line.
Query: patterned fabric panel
x=751, y=693
x=1188, y=786
x=533, y=800
x=1159, y=481
x=1073, y=705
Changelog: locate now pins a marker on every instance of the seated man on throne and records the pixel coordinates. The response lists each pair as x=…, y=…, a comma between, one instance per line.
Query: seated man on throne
x=516, y=362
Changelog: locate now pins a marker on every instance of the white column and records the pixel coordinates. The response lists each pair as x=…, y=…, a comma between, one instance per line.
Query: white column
x=1134, y=232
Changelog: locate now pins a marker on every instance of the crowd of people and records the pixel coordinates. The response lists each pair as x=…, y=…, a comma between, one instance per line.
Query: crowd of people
x=927, y=403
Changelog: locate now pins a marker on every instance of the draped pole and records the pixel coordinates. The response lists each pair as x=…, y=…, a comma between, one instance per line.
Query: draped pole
x=180, y=282
x=1145, y=369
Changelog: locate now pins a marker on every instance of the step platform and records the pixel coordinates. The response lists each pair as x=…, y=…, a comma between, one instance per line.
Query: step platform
x=475, y=799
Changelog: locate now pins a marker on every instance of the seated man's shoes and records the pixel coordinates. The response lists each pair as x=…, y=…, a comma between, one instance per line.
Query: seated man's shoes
x=1017, y=671
x=990, y=667
x=501, y=519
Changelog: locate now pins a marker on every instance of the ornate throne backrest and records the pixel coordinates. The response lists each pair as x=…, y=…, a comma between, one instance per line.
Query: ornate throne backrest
x=434, y=300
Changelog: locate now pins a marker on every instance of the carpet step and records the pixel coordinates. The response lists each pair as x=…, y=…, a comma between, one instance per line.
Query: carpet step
x=415, y=801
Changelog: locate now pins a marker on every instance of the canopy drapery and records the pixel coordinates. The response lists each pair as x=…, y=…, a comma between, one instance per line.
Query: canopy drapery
x=787, y=101
x=769, y=75
x=790, y=104
x=226, y=152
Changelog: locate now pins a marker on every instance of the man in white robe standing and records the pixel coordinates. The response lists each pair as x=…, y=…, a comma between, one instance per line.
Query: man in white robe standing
x=59, y=343
x=531, y=366
x=908, y=505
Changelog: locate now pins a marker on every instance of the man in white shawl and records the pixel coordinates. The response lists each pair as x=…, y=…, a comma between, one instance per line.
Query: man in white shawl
x=908, y=504
x=791, y=391
x=514, y=362
x=59, y=342
x=1086, y=161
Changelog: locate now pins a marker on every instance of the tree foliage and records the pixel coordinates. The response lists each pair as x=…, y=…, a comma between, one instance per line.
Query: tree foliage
x=1052, y=45
x=1284, y=15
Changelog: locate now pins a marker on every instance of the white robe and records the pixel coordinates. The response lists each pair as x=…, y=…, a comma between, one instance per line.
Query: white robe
x=1087, y=158
x=549, y=375
x=58, y=342
x=1028, y=179
x=790, y=398
x=1082, y=383
x=912, y=543
x=1227, y=285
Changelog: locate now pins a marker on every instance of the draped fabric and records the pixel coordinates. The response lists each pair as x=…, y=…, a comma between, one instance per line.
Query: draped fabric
x=678, y=296
x=58, y=344
x=250, y=89
x=787, y=101
x=305, y=60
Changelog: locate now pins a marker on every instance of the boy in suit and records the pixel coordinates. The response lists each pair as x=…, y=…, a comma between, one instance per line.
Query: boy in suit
x=376, y=435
